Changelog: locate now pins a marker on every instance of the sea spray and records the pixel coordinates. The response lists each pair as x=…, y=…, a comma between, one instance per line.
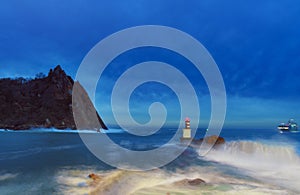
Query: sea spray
x=273, y=163
x=159, y=181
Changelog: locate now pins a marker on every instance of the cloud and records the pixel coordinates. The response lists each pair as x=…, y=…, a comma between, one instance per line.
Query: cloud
x=256, y=46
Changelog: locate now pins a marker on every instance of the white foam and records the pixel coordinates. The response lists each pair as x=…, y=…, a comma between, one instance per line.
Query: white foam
x=273, y=163
x=112, y=131
x=5, y=130
x=158, y=181
x=7, y=176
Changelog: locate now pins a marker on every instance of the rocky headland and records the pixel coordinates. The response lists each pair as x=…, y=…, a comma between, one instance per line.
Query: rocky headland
x=44, y=102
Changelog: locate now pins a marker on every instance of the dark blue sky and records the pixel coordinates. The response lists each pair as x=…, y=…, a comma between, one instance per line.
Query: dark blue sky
x=256, y=45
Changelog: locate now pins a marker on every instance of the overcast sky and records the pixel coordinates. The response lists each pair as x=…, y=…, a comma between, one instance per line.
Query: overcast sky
x=255, y=44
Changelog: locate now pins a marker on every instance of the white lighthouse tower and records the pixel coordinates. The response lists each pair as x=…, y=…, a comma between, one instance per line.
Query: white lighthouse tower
x=187, y=130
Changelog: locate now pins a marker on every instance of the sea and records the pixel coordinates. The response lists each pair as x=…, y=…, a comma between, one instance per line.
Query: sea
x=50, y=161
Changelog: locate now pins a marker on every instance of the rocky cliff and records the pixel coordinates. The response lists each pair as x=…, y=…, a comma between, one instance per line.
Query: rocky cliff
x=42, y=102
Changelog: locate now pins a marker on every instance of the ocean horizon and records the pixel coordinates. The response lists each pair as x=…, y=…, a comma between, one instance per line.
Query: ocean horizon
x=148, y=97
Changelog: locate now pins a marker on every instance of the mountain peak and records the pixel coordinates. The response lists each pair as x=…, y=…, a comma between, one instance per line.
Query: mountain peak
x=58, y=68
x=57, y=71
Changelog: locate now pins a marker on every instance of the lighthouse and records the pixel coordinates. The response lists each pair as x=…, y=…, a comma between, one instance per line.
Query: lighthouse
x=187, y=130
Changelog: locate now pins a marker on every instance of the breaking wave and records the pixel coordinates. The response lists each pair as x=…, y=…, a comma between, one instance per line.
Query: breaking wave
x=7, y=176
x=279, y=164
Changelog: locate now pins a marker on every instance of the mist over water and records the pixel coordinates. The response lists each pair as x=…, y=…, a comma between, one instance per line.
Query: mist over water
x=273, y=162
x=251, y=162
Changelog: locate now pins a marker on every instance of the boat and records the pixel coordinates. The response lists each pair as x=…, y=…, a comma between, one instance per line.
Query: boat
x=290, y=126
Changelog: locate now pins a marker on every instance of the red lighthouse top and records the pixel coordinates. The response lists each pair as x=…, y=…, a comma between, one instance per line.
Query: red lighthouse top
x=187, y=119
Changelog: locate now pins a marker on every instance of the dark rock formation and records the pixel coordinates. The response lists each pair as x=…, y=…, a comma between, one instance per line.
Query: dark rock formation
x=94, y=177
x=41, y=102
x=195, y=182
x=211, y=140
x=214, y=140
x=191, y=182
x=83, y=109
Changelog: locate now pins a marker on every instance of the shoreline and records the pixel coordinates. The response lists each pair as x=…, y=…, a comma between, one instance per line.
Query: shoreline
x=54, y=130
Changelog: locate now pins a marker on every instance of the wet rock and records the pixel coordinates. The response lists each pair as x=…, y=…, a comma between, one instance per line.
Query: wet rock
x=191, y=182
x=214, y=140
x=94, y=177
x=195, y=182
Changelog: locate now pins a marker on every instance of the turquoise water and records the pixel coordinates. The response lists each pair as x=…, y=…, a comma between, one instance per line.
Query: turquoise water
x=55, y=162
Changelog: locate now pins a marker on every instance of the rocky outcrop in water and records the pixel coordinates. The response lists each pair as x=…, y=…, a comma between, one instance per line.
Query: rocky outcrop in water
x=42, y=102
x=191, y=182
x=214, y=140
x=211, y=140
